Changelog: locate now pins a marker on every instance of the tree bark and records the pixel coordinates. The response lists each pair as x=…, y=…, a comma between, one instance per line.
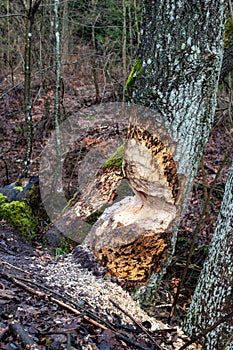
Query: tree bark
x=176, y=77
x=30, y=11
x=213, y=297
x=27, y=91
x=58, y=75
x=227, y=63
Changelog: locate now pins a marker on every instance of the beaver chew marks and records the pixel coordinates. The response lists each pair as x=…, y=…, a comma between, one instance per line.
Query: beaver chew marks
x=134, y=262
x=131, y=238
x=166, y=174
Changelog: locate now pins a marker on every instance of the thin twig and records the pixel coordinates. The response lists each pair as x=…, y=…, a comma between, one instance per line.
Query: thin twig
x=14, y=267
x=13, y=15
x=204, y=179
x=136, y=322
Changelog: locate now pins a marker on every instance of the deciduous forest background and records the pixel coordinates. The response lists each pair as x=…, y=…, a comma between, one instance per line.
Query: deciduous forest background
x=98, y=45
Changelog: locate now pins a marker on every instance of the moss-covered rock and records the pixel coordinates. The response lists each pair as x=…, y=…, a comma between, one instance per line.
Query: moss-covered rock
x=19, y=215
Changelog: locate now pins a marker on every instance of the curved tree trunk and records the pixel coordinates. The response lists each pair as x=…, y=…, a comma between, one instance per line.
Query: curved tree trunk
x=176, y=77
x=213, y=297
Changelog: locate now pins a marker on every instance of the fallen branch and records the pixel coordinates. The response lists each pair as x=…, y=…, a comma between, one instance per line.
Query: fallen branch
x=54, y=300
x=14, y=267
x=137, y=323
x=18, y=331
x=82, y=310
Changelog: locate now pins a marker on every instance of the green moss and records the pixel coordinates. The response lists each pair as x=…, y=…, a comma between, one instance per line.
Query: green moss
x=228, y=33
x=64, y=247
x=134, y=74
x=71, y=201
x=93, y=217
x=116, y=159
x=91, y=117
x=2, y=199
x=19, y=188
x=19, y=215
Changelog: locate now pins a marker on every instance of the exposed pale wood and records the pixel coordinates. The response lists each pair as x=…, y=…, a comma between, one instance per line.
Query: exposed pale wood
x=101, y=191
x=131, y=237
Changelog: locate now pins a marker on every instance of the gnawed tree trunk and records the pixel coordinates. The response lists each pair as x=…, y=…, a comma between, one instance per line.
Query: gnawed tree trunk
x=105, y=126
x=213, y=297
x=176, y=76
x=139, y=225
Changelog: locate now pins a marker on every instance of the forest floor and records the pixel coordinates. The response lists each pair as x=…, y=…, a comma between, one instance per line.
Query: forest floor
x=50, y=325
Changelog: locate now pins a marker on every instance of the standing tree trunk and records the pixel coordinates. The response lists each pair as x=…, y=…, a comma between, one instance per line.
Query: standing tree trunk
x=136, y=21
x=94, y=4
x=58, y=77
x=65, y=33
x=173, y=94
x=30, y=10
x=57, y=185
x=124, y=41
x=213, y=297
x=227, y=64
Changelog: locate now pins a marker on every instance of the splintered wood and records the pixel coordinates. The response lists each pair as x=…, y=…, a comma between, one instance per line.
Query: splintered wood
x=132, y=237
x=160, y=162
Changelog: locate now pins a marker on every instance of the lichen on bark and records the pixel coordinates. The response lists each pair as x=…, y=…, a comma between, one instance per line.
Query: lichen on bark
x=213, y=297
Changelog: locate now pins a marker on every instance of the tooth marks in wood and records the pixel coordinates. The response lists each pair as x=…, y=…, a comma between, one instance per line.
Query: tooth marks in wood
x=135, y=261
x=107, y=181
x=161, y=153
x=87, y=260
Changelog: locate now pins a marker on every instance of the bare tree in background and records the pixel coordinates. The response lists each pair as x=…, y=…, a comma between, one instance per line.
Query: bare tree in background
x=30, y=8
